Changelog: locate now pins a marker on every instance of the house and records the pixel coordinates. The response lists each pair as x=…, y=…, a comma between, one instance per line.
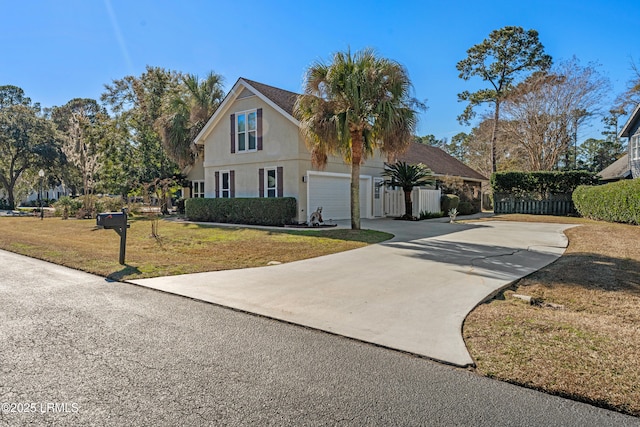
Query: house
x=443, y=165
x=617, y=170
x=628, y=166
x=252, y=147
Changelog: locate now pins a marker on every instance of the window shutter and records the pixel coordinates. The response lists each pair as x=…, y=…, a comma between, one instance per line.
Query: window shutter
x=261, y=182
x=259, y=119
x=233, y=133
x=217, y=184
x=280, y=181
x=232, y=184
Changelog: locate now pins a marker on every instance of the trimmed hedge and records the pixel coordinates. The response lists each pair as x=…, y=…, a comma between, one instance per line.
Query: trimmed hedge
x=614, y=202
x=254, y=211
x=540, y=184
x=448, y=202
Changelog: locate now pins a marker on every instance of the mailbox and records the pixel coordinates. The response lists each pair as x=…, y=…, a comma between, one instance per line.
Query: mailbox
x=115, y=221
x=112, y=220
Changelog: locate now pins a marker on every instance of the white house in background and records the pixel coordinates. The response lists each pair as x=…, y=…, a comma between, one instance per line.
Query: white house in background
x=251, y=147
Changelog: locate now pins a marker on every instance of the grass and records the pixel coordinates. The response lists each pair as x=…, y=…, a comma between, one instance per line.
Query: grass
x=181, y=248
x=586, y=351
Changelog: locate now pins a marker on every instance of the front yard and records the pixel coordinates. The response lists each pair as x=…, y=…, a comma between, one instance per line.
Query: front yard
x=588, y=348
x=181, y=248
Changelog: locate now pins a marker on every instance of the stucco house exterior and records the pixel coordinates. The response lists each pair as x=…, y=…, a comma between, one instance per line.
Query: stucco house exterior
x=627, y=166
x=251, y=147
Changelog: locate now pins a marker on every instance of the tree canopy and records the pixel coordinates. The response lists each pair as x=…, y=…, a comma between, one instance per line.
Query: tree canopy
x=354, y=105
x=500, y=60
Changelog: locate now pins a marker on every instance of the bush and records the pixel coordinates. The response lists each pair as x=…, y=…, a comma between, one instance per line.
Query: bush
x=108, y=204
x=254, y=211
x=4, y=204
x=66, y=206
x=180, y=206
x=540, y=185
x=466, y=208
x=614, y=202
x=449, y=201
x=429, y=215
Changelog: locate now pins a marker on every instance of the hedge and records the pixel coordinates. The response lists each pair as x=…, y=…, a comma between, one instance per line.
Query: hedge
x=448, y=202
x=614, y=202
x=255, y=211
x=540, y=184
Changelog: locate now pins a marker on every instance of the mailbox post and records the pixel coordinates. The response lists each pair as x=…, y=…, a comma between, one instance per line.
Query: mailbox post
x=116, y=221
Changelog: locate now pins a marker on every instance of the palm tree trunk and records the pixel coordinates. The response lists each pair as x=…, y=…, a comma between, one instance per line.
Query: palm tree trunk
x=408, y=205
x=356, y=158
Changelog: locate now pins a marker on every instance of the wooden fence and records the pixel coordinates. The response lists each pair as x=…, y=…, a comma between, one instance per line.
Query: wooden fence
x=535, y=207
x=423, y=201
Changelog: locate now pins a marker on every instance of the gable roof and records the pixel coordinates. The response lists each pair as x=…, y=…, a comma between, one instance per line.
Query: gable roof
x=626, y=129
x=617, y=170
x=440, y=162
x=281, y=100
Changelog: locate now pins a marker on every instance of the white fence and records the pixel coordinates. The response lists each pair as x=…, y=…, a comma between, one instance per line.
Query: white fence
x=423, y=201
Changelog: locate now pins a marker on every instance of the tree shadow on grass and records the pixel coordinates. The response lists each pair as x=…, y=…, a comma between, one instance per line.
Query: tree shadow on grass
x=128, y=270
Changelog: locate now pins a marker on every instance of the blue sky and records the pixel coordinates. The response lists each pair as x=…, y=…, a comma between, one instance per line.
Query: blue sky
x=57, y=50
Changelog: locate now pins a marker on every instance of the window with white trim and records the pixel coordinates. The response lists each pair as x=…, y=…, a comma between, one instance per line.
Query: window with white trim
x=197, y=189
x=271, y=182
x=634, y=151
x=225, y=184
x=247, y=131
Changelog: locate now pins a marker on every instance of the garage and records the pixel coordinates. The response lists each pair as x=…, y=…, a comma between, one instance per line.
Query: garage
x=331, y=191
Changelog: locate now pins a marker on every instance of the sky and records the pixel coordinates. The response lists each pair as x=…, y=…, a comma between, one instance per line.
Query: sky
x=57, y=50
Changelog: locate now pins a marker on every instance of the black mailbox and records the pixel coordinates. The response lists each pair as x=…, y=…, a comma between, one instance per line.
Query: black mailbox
x=115, y=221
x=111, y=220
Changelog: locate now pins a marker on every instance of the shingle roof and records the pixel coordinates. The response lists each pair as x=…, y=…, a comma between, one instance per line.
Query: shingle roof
x=438, y=161
x=617, y=170
x=282, y=98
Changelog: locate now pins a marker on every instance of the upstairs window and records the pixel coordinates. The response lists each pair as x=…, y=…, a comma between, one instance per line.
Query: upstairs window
x=247, y=131
x=634, y=151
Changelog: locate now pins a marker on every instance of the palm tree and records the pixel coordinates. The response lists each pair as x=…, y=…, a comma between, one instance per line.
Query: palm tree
x=407, y=176
x=185, y=113
x=353, y=106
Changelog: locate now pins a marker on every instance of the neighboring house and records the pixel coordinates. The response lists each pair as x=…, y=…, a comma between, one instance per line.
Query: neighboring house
x=443, y=165
x=51, y=193
x=617, y=170
x=630, y=130
x=251, y=147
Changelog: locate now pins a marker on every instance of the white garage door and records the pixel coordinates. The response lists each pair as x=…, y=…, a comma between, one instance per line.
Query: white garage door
x=331, y=191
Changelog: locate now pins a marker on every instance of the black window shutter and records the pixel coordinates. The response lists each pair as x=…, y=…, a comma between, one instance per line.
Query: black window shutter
x=259, y=119
x=217, y=184
x=260, y=182
x=233, y=133
x=280, y=181
x=232, y=184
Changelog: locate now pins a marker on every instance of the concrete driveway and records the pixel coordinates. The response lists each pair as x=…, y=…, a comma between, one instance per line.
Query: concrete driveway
x=411, y=293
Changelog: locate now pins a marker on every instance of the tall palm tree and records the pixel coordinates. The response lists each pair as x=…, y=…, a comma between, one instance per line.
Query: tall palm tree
x=351, y=107
x=407, y=176
x=185, y=112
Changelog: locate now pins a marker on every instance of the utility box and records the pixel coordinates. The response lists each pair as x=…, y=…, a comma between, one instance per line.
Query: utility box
x=112, y=220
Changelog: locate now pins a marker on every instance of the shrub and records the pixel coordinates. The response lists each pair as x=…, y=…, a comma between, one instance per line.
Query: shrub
x=66, y=206
x=429, y=215
x=254, y=211
x=4, y=204
x=449, y=201
x=180, y=206
x=108, y=204
x=540, y=185
x=614, y=202
x=466, y=208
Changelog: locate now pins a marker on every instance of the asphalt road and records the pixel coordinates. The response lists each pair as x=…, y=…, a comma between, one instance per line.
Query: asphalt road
x=78, y=350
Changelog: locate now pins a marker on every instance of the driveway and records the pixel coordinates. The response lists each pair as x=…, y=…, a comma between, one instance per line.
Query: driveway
x=411, y=293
